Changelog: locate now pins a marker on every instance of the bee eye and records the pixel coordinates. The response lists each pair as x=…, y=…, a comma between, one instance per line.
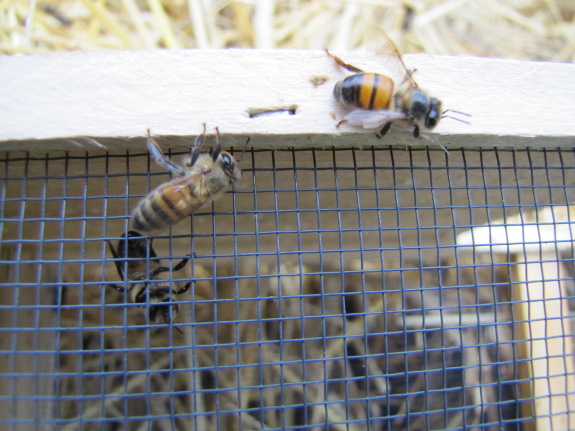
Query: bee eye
x=226, y=160
x=419, y=104
x=434, y=114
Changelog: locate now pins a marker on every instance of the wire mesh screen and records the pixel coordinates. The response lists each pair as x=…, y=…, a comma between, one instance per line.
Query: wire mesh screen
x=331, y=289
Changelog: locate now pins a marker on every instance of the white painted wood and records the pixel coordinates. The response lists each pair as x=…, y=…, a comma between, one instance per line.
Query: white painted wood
x=532, y=240
x=545, y=342
x=112, y=97
x=549, y=228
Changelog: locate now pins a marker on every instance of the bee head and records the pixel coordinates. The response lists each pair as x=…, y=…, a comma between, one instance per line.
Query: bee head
x=425, y=111
x=162, y=309
x=163, y=312
x=229, y=165
x=132, y=234
x=417, y=103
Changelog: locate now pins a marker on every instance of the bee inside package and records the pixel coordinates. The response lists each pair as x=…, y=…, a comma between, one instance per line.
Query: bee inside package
x=383, y=288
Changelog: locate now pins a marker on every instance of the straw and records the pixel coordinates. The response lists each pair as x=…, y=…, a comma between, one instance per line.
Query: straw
x=535, y=30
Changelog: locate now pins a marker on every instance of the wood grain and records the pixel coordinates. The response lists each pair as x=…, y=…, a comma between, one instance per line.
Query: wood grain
x=106, y=100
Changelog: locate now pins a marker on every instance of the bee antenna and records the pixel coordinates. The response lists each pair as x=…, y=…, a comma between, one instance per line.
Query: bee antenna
x=178, y=329
x=443, y=115
x=244, y=150
x=456, y=112
x=456, y=119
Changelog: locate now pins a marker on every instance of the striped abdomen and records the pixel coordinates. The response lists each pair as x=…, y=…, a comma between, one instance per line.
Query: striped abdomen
x=365, y=90
x=166, y=205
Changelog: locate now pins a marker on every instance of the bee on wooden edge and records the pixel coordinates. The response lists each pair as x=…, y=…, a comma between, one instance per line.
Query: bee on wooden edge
x=377, y=102
x=202, y=177
x=142, y=268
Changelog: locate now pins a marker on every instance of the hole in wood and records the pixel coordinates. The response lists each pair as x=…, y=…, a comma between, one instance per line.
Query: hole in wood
x=267, y=112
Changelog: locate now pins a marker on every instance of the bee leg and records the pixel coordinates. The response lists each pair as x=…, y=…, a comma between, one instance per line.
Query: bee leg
x=340, y=123
x=165, y=268
x=180, y=265
x=116, y=262
x=141, y=296
x=416, y=132
x=158, y=271
x=200, y=139
x=384, y=130
x=119, y=288
x=195, y=151
x=343, y=64
x=159, y=157
x=218, y=150
x=218, y=138
x=183, y=289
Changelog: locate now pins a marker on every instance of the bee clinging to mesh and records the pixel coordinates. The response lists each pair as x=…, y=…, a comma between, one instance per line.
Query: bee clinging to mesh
x=143, y=267
x=376, y=101
x=202, y=177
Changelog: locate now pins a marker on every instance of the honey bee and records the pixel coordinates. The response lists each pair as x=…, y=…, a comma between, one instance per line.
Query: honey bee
x=143, y=267
x=203, y=177
x=377, y=103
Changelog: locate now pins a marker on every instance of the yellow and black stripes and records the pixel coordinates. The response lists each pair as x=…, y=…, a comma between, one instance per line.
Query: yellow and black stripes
x=202, y=178
x=365, y=90
x=163, y=207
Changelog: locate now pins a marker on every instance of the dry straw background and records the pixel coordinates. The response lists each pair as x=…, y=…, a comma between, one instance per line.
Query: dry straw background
x=522, y=29
x=136, y=359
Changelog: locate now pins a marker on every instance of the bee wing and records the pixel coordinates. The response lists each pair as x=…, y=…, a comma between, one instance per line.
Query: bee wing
x=369, y=119
x=159, y=157
x=394, y=64
x=196, y=190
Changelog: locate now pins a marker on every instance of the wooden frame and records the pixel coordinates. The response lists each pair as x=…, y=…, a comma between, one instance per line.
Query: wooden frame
x=532, y=243
x=100, y=101
x=107, y=100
